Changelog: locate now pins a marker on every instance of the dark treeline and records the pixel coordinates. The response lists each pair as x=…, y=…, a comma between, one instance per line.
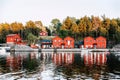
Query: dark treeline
x=76, y=28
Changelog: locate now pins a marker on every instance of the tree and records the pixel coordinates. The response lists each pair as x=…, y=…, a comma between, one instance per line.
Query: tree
x=68, y=23
x=117, y=35
x=16, y=27
x=3, y=34
x=55, y=27
x=63, y=33
x=82, y=27
x=31, y=38
x=96, y=23
x=30, y=24
x=113, y=28
x=6, y=26
x=48, y=30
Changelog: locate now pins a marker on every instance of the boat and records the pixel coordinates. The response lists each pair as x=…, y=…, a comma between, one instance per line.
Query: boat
x=4, y=49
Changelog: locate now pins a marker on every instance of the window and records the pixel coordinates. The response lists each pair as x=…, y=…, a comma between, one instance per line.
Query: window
x=55, y=40
x=68, y=42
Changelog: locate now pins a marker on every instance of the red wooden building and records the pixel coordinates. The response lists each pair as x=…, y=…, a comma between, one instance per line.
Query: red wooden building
x=99, y=42
x=57, y=42
x=89, y=42
x=68, y=42
x=43, y=33
x=13, y=39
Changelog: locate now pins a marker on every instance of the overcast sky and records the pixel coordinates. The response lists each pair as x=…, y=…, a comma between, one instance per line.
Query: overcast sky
x=46, y=10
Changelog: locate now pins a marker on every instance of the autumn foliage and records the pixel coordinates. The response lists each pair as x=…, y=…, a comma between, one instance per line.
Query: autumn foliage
x=77, y=28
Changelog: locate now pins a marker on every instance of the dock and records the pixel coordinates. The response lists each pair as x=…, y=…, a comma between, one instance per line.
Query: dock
x=72, y=50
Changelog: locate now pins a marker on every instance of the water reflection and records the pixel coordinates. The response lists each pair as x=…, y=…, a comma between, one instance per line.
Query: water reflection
x=95, y=58
x=63, y=58
x=91, y=65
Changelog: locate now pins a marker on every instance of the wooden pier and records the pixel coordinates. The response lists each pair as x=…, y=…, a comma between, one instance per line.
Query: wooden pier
x=71, y=50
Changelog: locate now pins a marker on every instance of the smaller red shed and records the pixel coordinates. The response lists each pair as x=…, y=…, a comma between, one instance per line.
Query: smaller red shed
x=43, y=33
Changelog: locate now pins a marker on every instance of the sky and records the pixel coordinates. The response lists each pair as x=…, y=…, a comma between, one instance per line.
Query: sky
x=46, y=10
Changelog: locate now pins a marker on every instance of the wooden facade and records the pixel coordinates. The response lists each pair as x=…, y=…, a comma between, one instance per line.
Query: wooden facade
x=58, y=42
x=68, y=42
x=88, y=42
x=13, y=39
x=99, y=42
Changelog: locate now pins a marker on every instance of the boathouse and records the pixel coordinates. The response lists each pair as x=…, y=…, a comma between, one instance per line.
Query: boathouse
x=57, y=42
x=13, y=39
x=68, y=42
x=89, y=42
x=99, y=42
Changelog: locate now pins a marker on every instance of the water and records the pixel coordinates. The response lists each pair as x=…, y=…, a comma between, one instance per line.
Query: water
x=60, y=66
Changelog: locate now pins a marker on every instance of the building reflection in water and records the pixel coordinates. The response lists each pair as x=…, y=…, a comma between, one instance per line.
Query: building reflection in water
x=89, y=59
x=63, y=58
x=91, y=64
x=21, y=61
x=95, y=58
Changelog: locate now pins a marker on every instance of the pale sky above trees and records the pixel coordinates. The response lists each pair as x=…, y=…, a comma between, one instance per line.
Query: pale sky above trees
x=46, y=10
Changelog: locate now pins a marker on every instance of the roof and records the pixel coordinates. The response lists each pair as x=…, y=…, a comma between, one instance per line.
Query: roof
x=68, y=37
x=56, y=37
x=100, y=37
x=89, y=37
x=12, y=34
x=46, y=40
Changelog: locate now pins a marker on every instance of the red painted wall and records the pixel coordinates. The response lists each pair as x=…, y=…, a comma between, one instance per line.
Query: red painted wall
x=88, y=42
x=13, y=38
x=68, y=42
x=57, y=42
x=99, y=42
